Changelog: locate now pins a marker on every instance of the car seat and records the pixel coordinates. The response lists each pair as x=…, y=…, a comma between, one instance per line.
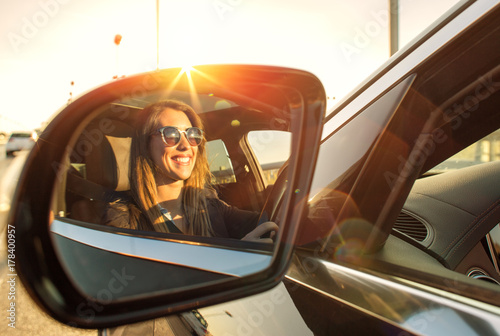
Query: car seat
x=99, y=165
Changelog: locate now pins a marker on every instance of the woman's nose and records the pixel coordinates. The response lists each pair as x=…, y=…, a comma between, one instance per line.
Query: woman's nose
x=183, y=143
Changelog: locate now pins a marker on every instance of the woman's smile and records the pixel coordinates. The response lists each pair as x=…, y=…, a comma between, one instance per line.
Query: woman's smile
x=182, y=160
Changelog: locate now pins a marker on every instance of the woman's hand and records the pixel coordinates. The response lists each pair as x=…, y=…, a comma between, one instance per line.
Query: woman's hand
x=262, y=229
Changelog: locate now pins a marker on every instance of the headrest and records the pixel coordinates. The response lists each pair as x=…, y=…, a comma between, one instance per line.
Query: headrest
x=104, y=148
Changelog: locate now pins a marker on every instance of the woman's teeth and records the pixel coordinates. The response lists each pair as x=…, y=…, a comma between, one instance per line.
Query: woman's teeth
x=181, y=159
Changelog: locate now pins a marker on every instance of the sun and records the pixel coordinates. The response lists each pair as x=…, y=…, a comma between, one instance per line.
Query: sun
x=186, y=69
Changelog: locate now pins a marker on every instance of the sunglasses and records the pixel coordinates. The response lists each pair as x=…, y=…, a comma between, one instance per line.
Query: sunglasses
x=172, y=135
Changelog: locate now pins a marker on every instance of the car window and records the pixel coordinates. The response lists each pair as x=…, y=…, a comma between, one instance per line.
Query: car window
x=272, y=149
x=333, y=178
x=220, y=162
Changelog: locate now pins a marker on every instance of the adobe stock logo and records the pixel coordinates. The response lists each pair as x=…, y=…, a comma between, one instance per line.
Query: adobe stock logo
x=223, y=7
x=364, y=36
x=30, y=26
x=117, y=283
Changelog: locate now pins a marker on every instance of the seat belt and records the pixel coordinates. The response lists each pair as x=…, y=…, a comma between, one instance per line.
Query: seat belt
x=91, y=190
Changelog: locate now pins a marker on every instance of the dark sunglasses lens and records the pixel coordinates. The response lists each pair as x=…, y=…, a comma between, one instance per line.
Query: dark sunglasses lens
x=171, y=136
x=194, y=136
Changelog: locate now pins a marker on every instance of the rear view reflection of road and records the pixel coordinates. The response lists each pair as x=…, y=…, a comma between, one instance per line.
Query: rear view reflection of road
x=10, y=168
x=17, y=308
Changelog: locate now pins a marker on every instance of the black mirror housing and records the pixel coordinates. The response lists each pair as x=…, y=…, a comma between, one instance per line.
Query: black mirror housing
x=38, y=260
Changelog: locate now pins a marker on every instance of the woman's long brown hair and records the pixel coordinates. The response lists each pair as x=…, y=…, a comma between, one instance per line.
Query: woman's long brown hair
x=143, y=170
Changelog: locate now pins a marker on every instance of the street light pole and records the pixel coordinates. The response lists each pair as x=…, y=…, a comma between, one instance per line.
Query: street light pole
x=393, y=26
x=157, y=34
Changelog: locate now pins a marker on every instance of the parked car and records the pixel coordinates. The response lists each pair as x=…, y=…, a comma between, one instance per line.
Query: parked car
x=388, y=206
x=19, y=141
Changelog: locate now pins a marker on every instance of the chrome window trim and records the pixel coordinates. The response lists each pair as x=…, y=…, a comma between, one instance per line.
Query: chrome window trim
x=431, y=307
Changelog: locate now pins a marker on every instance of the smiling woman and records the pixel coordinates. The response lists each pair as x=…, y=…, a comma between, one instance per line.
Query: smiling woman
x=170, y=181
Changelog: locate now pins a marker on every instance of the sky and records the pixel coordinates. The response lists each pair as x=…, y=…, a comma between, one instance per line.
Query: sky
x=46, y=45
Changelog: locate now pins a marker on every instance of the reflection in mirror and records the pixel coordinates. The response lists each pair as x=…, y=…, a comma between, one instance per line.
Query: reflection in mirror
x=140, y=201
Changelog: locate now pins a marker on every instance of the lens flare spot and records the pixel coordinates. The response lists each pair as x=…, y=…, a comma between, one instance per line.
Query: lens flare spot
x=222, y=104
x=352, y=234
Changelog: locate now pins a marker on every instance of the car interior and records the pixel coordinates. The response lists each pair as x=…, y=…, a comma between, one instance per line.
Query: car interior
x=98, y=163
x=453, y=214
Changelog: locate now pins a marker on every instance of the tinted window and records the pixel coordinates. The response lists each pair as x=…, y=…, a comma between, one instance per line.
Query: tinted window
x=340, y=159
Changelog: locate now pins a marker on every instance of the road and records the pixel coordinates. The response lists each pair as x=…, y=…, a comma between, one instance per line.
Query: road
x=29, y=318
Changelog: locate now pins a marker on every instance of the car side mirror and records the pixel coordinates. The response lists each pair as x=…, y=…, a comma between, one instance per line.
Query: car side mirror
x=90, y=275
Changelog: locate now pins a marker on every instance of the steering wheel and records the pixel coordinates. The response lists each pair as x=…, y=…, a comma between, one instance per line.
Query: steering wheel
x=270, y=211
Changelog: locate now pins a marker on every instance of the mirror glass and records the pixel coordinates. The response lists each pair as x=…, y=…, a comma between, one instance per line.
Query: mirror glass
x=119, y=228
